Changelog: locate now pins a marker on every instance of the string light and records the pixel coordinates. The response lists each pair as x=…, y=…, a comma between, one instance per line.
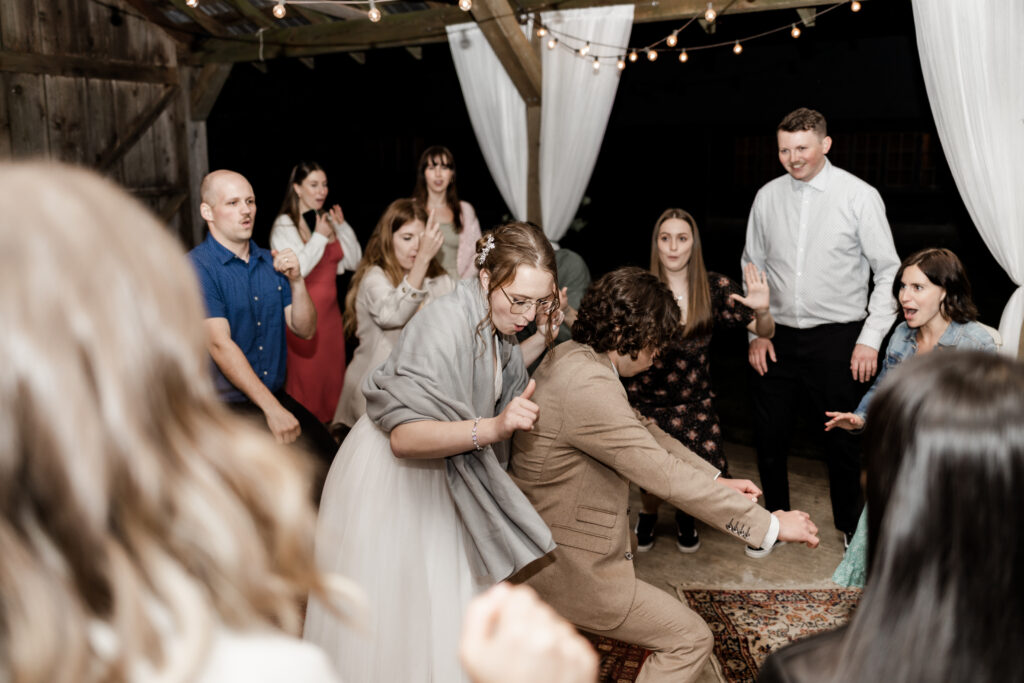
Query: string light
x=597, y=63
x=192, y=3
x=465, y=5
x=652, y=55
x=672, y=39
x=541, y=32
x=737, y=48
x=632, y=56
x=374, y=13
x=854, y=6
x=621, y=63
x=795, y=32
x=585, y=49
x=552, y=41
x=683, y=56
x=279, y=10
x=710, y=13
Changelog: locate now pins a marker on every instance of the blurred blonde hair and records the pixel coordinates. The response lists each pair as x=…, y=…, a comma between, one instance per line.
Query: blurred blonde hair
x=129, y=494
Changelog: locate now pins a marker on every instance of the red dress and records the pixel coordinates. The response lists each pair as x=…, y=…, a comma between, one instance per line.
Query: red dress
x=316, y=367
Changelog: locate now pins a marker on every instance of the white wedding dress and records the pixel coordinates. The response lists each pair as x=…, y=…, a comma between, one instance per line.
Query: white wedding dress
x=391, y=526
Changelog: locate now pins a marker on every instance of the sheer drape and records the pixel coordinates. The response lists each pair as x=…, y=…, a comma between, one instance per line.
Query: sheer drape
x=972, y=55
x=496, y=111
x=575, y=106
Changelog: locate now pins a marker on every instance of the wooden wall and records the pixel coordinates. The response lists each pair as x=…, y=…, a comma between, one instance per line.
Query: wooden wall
x=89, y=84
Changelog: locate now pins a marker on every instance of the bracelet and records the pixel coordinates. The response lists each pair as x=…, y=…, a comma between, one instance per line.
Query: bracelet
x=476, y=444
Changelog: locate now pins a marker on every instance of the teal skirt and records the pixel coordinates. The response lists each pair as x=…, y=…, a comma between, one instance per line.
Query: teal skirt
x=853, y=570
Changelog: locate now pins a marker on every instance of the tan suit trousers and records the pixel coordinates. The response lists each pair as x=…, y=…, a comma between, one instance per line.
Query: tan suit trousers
x=679, y=640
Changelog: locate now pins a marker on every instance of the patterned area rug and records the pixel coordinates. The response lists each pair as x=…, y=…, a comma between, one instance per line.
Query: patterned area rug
x=750, y=624
x=620, y=662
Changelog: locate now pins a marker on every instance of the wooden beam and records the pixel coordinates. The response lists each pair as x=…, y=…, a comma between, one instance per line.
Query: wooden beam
x=205, y=21
x=135, y=130
x=498, y=23
x=85, y=67
x=412, y=28
x=534, y=213
x=174, y=203
x=309, y=15
x=246, y=9
x=156, y=17
x=205, y=89
x=664, y=10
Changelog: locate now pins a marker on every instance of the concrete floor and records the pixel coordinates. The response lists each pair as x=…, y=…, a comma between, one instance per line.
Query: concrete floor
x=720, y=562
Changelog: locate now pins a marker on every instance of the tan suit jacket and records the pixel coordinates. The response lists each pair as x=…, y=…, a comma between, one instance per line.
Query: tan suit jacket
x=575, y=467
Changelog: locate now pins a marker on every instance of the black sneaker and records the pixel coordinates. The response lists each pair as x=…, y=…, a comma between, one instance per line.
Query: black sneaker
x=644, y=530
x=688, y=541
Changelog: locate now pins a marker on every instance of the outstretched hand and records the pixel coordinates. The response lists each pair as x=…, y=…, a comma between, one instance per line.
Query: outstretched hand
x=795, y=526
x=848, y=421
x=758, y=295
x=744, y=486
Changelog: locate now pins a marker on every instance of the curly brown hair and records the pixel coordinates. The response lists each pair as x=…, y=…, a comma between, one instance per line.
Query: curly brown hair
x=627, y=311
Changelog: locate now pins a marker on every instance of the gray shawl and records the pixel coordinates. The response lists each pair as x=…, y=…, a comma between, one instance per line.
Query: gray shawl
x=442, y=369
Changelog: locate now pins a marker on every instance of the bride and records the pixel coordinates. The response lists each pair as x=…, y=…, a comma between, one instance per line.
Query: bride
x=417, y=507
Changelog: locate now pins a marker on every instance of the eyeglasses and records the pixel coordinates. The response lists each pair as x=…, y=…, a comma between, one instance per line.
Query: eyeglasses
x=521, y=307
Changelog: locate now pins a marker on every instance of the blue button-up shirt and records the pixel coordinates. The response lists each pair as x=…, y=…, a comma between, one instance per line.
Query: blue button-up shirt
x=252, y=297
x=903, y=345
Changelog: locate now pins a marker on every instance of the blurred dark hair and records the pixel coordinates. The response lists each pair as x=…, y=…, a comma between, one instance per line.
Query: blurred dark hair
x=942, y=268
x=626, y=311
x=944, y=446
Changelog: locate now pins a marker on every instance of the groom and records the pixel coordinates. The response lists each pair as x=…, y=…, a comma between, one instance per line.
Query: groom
x=576, y=463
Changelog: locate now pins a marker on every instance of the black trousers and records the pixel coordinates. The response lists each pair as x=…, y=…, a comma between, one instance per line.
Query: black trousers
x=314, y=437
x=812, y=373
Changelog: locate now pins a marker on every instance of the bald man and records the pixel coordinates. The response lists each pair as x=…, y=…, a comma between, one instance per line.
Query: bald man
x=251, y=294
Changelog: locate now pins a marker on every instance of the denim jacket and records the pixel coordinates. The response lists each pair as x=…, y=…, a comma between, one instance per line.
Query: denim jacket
x=903, y=345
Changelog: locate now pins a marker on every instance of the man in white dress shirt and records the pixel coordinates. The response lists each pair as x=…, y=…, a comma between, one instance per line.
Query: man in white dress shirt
x=820, y=234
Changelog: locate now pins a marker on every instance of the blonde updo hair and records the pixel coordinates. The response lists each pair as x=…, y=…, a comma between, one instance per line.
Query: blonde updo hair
x=131, y=500
x=501, y=251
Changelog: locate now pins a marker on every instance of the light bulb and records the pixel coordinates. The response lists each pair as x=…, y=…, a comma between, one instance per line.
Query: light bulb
x=585, y=49
x=651, y=55
x=672, y=39
x=597, y=63
x=710, y=13
x=621, y=63
x=279, y=10
x=683, y=56
x=632, y=56
x=854, y=6
x=552, y=41
x=795, y=32
x=191, y=3
x=737, y=48
x=374, y=13
x=465, y=5
x=541, y=32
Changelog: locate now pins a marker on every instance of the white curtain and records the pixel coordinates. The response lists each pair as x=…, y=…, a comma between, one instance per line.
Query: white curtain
x=496, y=111
x=575, y=105
x=972, y=55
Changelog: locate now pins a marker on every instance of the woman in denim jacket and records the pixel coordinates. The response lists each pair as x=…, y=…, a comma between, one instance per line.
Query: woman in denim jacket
x=934, y=295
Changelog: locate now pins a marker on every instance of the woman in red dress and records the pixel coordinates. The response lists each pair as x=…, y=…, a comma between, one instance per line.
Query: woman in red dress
x=326, y=247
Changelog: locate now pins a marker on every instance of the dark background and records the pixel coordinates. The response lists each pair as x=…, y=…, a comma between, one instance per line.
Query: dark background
x=698, y=135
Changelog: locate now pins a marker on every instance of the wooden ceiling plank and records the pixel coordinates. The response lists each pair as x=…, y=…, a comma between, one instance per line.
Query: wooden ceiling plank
x=247, y=10
x=156, y=17
x=85, y=67
x=205, y=21
x=498, y=23
x=667, y=10
x=136, y=129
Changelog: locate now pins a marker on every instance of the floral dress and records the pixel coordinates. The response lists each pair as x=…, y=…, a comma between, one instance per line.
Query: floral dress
x=676, y=391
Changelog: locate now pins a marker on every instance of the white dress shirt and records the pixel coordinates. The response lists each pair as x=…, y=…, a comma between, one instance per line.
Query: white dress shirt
x=818, y=242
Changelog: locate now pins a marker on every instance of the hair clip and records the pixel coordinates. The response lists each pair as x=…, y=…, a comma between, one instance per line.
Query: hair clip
x=488, y=245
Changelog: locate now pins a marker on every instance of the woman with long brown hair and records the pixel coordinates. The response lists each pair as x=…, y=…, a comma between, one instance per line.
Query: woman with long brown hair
x=146, y=532
x=676, y=391
x=326, y=247
x=397, y=276
x=435, y=187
